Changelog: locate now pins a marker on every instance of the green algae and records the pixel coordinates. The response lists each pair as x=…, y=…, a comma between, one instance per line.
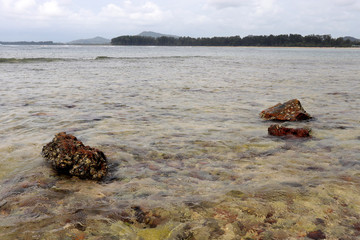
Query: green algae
x=127, y=231
x=159, y=233
x=235, y=194
x=123, y=230
x=235, y=214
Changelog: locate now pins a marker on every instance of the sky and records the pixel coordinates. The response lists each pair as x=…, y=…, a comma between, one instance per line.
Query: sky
x=67, y=20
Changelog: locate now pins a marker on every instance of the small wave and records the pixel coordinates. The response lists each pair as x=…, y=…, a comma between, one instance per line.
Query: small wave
x=29, y=60
x=32, y=60
x=103, y=58
x=147, y=57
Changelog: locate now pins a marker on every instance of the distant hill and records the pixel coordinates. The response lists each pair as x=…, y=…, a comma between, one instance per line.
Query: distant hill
x=155, y=35
x=352, y=39
x=29, y=43
x=90, y=41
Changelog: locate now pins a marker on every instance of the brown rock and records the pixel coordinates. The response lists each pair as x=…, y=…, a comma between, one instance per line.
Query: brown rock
x=277, y=130
x=68, y=155
x=316, y=235
x=356, y=226
x=288, y=111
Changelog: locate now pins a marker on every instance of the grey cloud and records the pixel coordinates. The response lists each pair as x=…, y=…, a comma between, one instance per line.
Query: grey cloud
x=345, y=2
x=221, y=4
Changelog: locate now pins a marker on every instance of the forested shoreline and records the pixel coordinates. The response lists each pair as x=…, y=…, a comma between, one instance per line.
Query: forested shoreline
x=284, y=40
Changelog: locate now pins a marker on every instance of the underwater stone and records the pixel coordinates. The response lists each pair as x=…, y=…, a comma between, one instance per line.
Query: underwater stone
x=235, y=194
x=278, y=130
x=3, y=203
x=316, y=235
x=68, y=155
x=356, y=226
x=288, y=111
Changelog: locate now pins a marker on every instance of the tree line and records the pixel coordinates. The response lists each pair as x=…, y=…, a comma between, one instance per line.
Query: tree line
x=283, y=40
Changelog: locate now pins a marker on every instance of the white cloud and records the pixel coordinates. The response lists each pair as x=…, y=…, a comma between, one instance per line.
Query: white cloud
x=242, y=17
x=51, y=9
x=112, y=10
x=16, y=7
x=150, y=11
x=5, y=5
x=126, y=13
x=265, y=7
x=186, y=17
x=24, y=5
x=32, y=9
x=147, y=13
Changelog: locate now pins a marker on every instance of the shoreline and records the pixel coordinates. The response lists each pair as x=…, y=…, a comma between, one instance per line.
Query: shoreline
x=153, y=46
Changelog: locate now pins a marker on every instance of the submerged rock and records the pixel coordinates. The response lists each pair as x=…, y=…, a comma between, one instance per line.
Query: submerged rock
x=68, y=155
x=316, y=235
x=277, y=130
x=288, y=111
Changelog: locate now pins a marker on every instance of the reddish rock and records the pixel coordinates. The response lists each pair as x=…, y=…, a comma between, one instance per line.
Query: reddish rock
x=68, y=155
x=277, y=130
x=316, y=235
x=288, y=111
x=356, y=226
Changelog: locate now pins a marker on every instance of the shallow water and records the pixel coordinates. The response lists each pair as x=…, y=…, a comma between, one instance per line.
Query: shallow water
x=190, y=157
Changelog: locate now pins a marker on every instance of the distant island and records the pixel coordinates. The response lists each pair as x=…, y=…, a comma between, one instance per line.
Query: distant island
x=29, y=43
x=352, y=39
x=155, y=34
x=283, y=40
x=91, y=41
x=148, y=38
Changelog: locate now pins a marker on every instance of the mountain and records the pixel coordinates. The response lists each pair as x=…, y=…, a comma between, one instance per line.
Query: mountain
x=352, y=39
x=155, y=35
x=90, y=41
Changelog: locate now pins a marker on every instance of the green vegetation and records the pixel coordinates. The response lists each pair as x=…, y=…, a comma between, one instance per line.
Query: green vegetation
x=284, y=40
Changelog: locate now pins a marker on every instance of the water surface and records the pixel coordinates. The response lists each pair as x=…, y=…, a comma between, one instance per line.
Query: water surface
x=190, y=157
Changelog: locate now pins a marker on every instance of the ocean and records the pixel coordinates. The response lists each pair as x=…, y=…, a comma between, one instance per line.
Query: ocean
x=189, y=156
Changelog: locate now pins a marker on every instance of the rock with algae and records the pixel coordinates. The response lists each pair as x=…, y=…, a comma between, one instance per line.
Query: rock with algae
x=278, y=130
x=288, y=111
x=68, y=155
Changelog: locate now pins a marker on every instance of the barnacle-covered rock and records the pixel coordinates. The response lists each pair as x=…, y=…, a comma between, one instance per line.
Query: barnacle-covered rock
x=288, y=111
x=277, y=130
x=68, y=155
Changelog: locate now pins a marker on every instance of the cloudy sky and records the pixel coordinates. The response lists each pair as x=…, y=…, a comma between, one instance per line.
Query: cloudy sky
x=66, y=20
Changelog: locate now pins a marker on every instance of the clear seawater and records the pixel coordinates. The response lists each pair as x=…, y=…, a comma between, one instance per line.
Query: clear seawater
x=181, y=129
